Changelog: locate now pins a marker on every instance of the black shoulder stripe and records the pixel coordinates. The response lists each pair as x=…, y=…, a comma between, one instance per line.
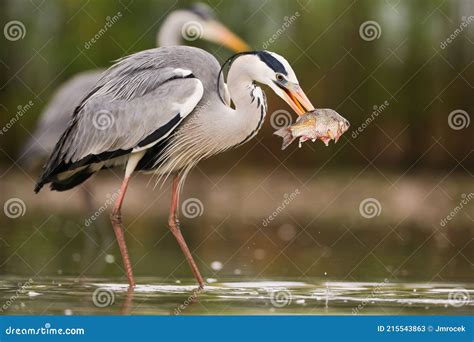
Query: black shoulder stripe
x=160, y=131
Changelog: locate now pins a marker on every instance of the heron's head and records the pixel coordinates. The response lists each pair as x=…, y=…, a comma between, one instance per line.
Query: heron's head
x=197, y=22
x=273, y=70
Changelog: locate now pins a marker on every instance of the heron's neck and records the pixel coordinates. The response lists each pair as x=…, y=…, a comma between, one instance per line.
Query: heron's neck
x=170, y=31
x=250, y=105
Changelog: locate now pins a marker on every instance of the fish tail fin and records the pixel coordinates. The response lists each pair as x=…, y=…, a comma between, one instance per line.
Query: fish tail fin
x=285, y=133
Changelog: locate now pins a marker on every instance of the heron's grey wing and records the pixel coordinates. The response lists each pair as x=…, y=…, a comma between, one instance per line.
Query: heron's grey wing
x=136, y=120
x=56, y=115
x=118, y=118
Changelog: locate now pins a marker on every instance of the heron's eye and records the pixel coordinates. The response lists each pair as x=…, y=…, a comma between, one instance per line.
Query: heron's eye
x=280, y=77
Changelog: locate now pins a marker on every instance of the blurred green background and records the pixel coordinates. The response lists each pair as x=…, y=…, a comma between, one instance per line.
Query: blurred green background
x=408, y=157
x=405, y=66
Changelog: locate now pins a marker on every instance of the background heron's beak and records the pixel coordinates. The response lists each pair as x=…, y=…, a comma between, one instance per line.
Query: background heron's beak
x=219, y=34
x=297, y=99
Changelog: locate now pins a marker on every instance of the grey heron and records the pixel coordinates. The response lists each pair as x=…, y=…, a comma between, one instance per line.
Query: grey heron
x=180, y=26
x=162, y=111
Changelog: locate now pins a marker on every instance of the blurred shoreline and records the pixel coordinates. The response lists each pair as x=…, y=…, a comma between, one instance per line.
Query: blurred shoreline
x=424, y=198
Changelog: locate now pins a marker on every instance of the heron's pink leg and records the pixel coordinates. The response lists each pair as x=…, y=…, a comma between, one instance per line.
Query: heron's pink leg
x=175, y=229
x=116, y=218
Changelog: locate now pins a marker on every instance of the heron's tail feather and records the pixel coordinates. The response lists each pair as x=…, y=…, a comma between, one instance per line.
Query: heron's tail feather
x=66, y=183
x=285, y=133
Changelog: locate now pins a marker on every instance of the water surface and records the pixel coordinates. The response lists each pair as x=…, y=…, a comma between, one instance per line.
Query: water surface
x=70, y=296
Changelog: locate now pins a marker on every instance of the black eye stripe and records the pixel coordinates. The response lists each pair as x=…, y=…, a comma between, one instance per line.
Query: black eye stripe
x=203, y=11
x=272, y=62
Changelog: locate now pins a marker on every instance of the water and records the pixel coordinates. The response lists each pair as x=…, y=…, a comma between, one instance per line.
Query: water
x=302, y=262
x=64, y=295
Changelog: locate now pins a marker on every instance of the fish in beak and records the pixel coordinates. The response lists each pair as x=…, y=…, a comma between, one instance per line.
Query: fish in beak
x=323, y=124
x=217, y=33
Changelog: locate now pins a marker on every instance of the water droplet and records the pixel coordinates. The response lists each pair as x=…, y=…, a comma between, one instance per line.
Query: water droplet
x=110, y=259
x=286, y=232
x=76, y=257
x=216, y=265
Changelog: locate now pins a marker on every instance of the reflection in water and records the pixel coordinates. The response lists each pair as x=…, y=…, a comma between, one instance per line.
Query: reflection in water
x=153, y=296
x=342, y=251
x=304, y=267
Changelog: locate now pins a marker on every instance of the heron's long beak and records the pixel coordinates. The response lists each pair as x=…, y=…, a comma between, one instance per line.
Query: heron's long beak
x=296, y=98
x=219, y=34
